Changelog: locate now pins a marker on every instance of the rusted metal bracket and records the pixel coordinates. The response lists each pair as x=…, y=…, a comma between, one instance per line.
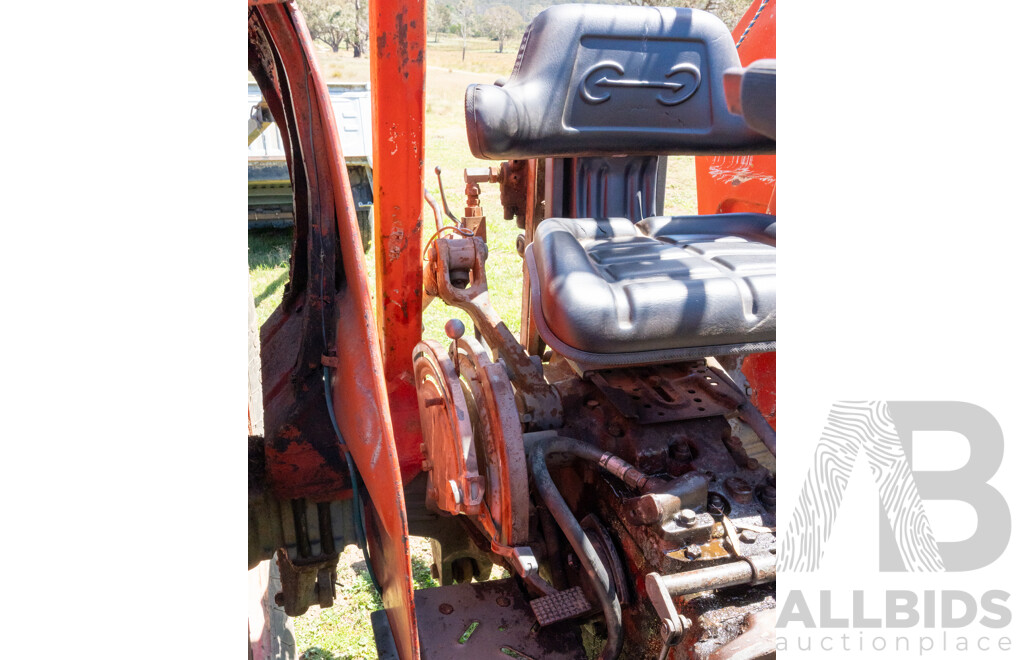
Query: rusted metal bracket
x=456, y=273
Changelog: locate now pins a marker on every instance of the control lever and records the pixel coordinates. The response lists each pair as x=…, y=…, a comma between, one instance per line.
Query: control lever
x=444, y=202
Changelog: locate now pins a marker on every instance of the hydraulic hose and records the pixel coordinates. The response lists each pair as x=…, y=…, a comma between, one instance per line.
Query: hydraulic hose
x=592, y=565
x=357, y=500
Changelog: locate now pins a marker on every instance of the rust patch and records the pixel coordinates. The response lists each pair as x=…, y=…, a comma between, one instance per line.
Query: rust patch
x=396, y=244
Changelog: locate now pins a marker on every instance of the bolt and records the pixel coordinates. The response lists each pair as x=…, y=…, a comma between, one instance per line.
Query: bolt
x=279, y=599
x=427, y=465
x=692, y=552
x=748, y=536
x=739, y=489
x=734, y=442
x=665, y=629
x=686, y=518
x=752, y=464
x=615, y=430
x=504, y=601
x=592, y=403
x=681, y=452
x=445, y=608
x=716, y=504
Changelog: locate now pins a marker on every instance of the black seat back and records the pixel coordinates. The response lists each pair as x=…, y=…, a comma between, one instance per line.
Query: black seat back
x=610, y=80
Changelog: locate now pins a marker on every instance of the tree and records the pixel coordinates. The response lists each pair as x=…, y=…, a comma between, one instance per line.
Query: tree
x=462, y=18
x=501, y=22
x=337, y=22
x=439, y=18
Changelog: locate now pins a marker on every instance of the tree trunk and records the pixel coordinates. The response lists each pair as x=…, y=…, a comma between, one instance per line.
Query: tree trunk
x=501, y=45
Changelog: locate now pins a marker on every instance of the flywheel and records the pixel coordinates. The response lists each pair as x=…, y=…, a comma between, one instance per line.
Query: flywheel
x=473, y=440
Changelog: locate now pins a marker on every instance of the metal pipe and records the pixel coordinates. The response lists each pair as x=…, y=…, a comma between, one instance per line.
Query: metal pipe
x=433, y=205
x=755, y=570
x=750, y=414
x=592, y=565
x=753, y=417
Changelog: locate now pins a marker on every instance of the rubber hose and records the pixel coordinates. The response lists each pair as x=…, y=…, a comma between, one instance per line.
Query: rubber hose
x=595, y=570
x=357, y=501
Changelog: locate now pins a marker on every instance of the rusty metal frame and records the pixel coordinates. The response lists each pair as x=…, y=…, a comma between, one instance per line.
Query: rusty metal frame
x=326, y=318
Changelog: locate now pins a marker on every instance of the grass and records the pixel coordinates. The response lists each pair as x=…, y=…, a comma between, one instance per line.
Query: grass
x=343, y=631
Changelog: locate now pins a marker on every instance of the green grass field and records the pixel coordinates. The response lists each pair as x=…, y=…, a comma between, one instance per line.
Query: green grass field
x=343, y=632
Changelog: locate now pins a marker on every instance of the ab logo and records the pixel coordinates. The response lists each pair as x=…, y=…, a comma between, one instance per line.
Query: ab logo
x=882, y=430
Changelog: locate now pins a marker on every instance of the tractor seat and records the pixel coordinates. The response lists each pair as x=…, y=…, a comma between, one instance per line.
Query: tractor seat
x=596, y=82
x=607, y=292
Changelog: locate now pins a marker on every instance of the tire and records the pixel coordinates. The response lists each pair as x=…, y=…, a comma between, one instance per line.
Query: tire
x=271, y=632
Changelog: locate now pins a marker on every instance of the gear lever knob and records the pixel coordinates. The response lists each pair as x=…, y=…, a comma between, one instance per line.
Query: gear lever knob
x=454, y=328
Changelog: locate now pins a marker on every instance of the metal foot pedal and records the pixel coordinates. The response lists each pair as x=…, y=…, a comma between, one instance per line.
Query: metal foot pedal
x=488, y=621
x=560, y=606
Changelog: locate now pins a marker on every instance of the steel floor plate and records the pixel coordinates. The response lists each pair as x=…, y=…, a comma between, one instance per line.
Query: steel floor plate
x=504, y=625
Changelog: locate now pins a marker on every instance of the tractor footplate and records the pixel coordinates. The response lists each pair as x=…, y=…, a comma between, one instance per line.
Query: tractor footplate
x=488, y=620
x=563, y=605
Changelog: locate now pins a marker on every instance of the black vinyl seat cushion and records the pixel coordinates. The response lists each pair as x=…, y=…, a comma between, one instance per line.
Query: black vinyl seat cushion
x=695, y=284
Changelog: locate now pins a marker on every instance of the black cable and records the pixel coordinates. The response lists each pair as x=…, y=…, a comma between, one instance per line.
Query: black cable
x=357, y=500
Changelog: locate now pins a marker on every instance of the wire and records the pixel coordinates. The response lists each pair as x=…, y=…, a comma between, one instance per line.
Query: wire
x=357, y=500
x=462, y=231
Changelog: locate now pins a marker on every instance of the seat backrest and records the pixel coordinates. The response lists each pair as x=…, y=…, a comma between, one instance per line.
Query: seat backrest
x=613, y=80
x=605, y=187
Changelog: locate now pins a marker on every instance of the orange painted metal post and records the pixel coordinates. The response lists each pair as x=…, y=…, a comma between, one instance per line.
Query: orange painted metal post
x=398, y=75
x=397, y=79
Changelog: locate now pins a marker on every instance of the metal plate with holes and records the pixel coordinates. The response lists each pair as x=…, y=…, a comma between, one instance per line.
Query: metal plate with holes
x=667, y=393
x=488, y=620
x=560, y=606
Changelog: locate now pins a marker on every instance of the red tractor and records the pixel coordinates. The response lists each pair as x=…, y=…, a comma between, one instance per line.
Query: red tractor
x=618, y=455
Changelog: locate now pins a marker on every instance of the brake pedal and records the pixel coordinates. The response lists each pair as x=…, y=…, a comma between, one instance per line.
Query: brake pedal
x=560, y=606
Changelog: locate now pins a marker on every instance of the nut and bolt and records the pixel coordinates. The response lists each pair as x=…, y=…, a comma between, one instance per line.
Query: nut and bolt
x=686, y=518
x=740, y=489
x=503, y=601
x=692, y=552
x=592, y=403
x=445, y=608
